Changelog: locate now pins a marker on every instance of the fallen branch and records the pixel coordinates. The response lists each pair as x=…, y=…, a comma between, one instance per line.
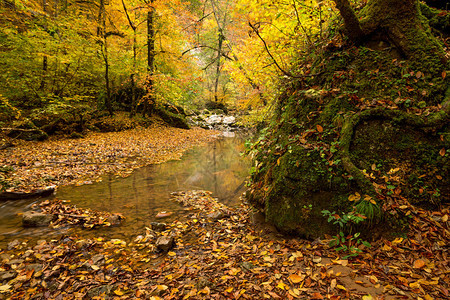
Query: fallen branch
x=19, y=129
x=45, y=192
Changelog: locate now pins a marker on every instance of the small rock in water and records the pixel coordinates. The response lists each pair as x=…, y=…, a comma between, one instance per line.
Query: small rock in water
x=163, y=214
x=35, y=219
x=115, y=219
x=13, y=244
x=165, y=243
x=156, y=226
x=216, y=215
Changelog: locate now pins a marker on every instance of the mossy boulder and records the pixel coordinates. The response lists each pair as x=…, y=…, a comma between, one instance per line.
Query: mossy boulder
x=370, y=122
x=172, y=117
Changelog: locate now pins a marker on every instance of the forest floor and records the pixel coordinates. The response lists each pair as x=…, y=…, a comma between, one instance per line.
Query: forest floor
x=222, y=253
x=219, y=252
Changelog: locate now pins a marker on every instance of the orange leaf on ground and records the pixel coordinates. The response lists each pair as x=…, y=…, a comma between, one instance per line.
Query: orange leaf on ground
x=294, y=278
x=319, y=128
x=418, y=264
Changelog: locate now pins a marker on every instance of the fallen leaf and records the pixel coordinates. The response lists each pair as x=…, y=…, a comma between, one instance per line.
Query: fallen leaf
x=294, y=278
x=418, y=264
x=319, y=128
x=4, y=288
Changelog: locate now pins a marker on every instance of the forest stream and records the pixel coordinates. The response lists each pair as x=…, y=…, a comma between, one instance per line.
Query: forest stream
x=217, y=167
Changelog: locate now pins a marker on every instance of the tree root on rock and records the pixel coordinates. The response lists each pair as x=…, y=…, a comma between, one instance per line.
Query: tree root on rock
x=435, y=120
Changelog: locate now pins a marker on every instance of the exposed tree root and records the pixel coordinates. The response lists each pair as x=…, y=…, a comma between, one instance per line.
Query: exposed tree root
x=435, y=120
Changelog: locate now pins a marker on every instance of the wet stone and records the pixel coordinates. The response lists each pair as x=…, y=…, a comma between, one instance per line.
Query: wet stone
x=216, y=215
x=35, y=219
x=156, y=226
x=13, y=244
x=165, y=243
x=115, y=220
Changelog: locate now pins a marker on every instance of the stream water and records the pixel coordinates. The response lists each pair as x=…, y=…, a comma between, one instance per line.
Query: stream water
x=217, y=167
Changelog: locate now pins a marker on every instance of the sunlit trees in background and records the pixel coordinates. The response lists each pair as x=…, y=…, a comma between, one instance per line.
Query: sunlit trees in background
x=135, y=54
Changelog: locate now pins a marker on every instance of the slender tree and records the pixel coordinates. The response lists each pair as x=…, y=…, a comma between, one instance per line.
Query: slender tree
x=101, y=32
x=133, y=73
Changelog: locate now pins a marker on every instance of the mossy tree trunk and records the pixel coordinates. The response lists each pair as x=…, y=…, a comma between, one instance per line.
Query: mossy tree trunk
x=400, y=22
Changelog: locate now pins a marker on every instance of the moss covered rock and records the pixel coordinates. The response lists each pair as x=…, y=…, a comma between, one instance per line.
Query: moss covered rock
x=371, y=122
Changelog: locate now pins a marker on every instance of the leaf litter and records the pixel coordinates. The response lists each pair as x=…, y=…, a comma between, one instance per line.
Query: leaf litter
x=219, y=253
x=34, y=165
x=226, y=256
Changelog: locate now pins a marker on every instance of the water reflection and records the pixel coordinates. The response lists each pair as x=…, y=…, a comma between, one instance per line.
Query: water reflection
x=217, y=167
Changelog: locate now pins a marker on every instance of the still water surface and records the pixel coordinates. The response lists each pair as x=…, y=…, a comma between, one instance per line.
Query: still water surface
x=217, y=167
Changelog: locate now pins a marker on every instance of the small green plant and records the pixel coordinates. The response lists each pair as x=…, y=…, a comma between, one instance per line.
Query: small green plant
x=346, y=243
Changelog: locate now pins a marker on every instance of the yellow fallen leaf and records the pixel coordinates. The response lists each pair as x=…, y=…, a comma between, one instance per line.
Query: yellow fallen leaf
x=4, y=288
x=354, y=197
x=397, y=241
x=367, y=297
x=342, y=262
x=341, y=287
x=293, y=294
x=333, y=284
x=445, y=218
x=118, y=292
x=281, y=285
x=95, y=268
x=171, y=253
x=229, y=290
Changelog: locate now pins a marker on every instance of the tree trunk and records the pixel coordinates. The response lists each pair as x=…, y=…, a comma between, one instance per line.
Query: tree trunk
x=351, y=23
x=400, y=23
x=219, y=56
x=101, y=31
x=133, y=74
x=150, y=99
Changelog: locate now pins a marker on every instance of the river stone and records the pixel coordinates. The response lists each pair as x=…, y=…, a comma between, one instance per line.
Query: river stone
x=229, y=120
x=35, y=219
x=114, y=219
x=214, y=119
x=164, y=243
x=156, y=226
x=13, y=244
x=216, y=215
